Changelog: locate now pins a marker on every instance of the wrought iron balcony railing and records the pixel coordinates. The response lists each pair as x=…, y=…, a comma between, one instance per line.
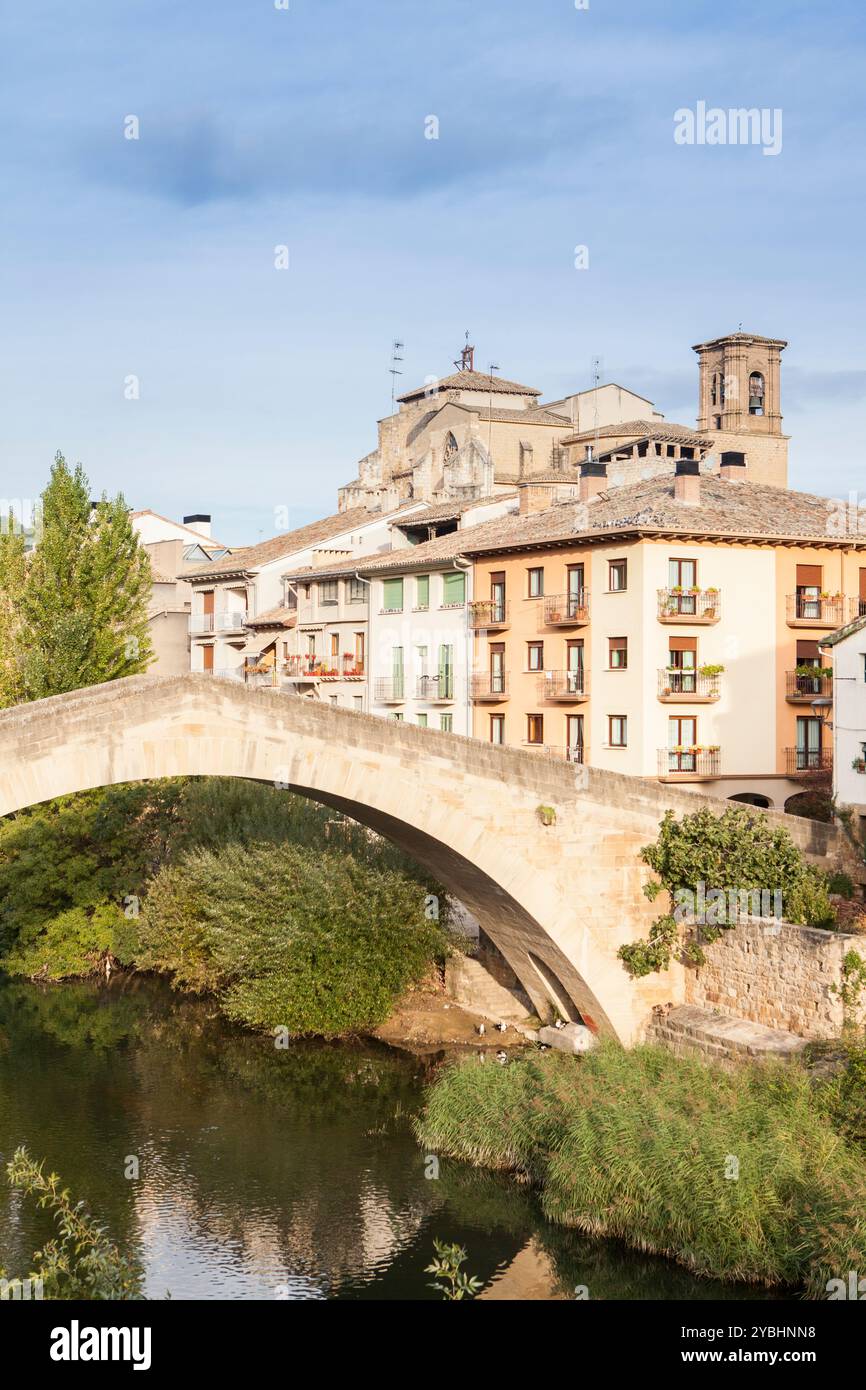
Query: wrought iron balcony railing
x=694, y=761
x=800, y=760
x=567, y=610
x=686, y=684
x=491, y=686
x=556, y=686
x=486, y=613
x=689, y=605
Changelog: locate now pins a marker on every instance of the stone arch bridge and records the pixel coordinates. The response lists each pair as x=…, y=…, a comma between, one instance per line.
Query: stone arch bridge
x=557, y=900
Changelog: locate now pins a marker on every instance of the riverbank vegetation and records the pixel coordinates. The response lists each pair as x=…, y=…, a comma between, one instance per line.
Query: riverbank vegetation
x=741, y=1175
x=293, y=916
x=737, y=853
x=80, y=1262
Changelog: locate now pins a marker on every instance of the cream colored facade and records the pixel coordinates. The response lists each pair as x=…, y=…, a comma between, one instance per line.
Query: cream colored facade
x=753, y=722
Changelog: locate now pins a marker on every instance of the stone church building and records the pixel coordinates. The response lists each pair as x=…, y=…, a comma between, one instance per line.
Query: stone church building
x=472, y=435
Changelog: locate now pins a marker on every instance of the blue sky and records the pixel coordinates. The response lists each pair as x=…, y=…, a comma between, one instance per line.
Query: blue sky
x=260, y=388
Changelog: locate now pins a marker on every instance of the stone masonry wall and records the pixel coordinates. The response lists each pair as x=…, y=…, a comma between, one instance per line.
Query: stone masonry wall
x=776, y=974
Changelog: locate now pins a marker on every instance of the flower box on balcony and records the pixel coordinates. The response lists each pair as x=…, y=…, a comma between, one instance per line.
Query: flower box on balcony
x=859, y=764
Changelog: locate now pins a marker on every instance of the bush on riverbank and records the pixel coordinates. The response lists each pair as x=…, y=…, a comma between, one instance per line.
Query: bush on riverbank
x=639, y=1145
x=73, y=872
x=288, y=938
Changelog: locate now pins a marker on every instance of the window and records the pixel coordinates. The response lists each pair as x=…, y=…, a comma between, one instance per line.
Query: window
x=446, y=723
x=535, y=583
x=355, y=591
x=446, y=673
x=617, y=653
x=422, y=591
x=617, y=576
x=329, y=591
x=574, y=737
x=334, y=699
x=422, y=721
x=810, y=580
x=335, y=646
x=809, y=736
x=681, y=676
x=756, y=394
x=497, y=597
x=617, y=730
x=397, y=718
x=535, y=728
x=453, y=590
x=358, y=701
x=392, y=595
x=535, y=656
x=497, y=728
x=683, y=584
x=497, y=668
x=397, y=670
x=682, y=738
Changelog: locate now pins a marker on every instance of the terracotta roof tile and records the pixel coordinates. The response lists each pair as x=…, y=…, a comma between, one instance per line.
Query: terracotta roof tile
x=471, y=381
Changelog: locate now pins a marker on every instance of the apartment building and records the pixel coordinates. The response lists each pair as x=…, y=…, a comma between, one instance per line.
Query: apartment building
x=348, y=642
x=668, y=629
x=175, y=548
x=244, y=611
x=844, y=652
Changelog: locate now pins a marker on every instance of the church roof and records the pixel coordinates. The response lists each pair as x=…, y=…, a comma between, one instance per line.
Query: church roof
x=640, y=429
x=471, y=381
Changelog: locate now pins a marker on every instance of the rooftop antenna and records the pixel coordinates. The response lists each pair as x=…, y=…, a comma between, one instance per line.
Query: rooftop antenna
x=596, y=378
x=396, y=348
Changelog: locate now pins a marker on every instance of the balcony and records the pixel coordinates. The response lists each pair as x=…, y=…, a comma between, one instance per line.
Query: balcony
x=802, y=689
x=689, y=606
x=799, y=761
x=490, y=687
x=826, y=611
x=489, y=615
x=563, y=687
x=232, y=619
x=690, y=764
x=435, y=690
x=687, y=687
x=313, y=668
x=201, y=623
x=567, y=610
x=388, y=691
x=559, y=751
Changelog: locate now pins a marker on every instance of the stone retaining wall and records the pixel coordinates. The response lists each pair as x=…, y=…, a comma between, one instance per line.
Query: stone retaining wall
x=776, y=974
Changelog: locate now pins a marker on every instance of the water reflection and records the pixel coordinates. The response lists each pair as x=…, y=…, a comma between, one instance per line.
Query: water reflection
x=264, y=1173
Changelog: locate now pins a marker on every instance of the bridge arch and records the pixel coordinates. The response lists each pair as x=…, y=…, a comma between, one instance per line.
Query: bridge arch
x=565, y=895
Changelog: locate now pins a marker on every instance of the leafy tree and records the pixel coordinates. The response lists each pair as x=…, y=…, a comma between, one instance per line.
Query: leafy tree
x=13, y=567
x=737, y=850
x=84, y=599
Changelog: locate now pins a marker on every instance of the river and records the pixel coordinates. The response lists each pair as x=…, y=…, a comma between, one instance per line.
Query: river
x=265, y=1173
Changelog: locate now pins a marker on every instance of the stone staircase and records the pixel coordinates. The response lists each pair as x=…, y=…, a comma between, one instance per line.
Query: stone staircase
x=690, y=1029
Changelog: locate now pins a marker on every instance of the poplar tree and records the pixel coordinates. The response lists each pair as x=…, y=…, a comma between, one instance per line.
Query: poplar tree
x=85, y=596
x=12, y=575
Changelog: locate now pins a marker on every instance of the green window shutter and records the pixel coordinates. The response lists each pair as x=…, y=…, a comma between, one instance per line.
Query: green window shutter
x=422, y=591
x=392, y=591
x=454, y=588
x=446, y=671
x=397, y=670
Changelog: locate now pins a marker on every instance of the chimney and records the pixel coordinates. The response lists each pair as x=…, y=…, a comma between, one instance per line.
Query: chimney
x=199, y=521
x=687, y=481
x=732, y=467
x=533, y=496
x=593, y=479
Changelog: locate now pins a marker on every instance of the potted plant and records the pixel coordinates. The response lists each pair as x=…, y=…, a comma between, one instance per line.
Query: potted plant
x=710, y=670
x=859, y=764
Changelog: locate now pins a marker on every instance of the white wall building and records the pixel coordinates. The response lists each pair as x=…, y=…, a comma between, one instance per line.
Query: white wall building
x=848, y=650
